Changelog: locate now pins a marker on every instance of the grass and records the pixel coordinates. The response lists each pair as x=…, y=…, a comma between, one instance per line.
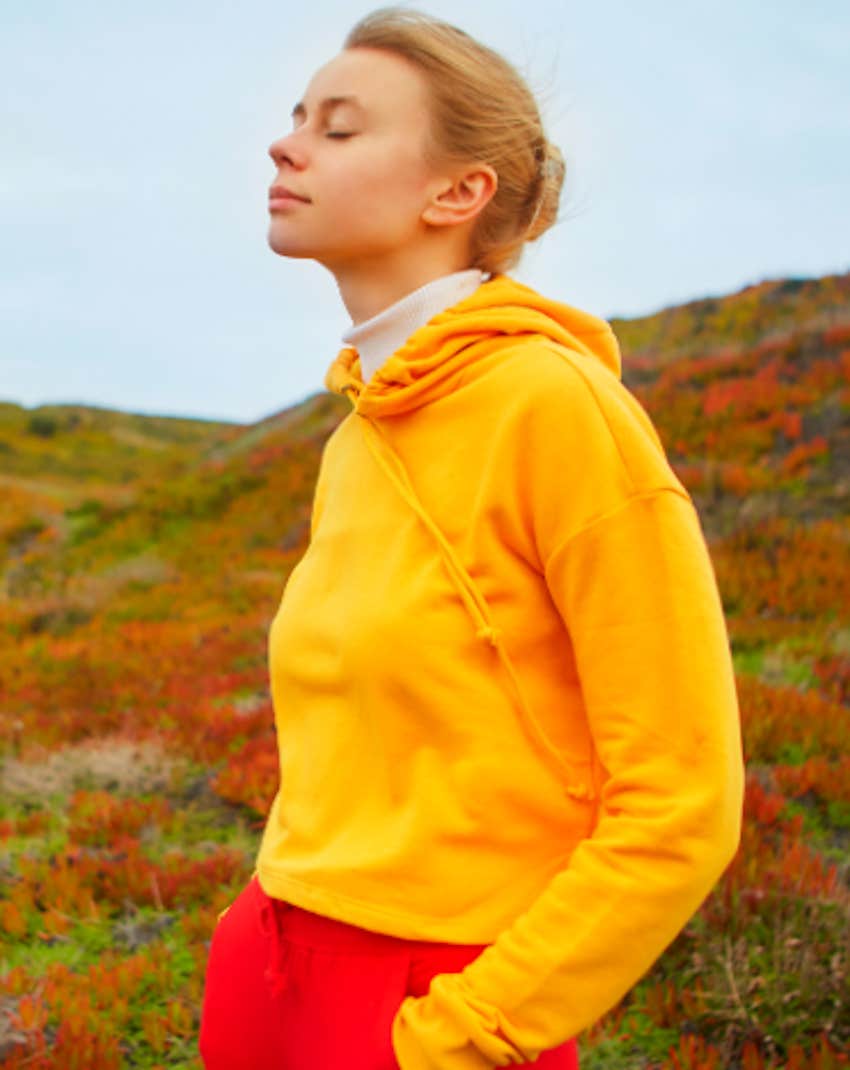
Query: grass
x=135, y=969
x=636, y=1043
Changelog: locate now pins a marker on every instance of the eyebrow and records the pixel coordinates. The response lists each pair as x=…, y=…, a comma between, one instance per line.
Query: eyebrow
x=325, y=105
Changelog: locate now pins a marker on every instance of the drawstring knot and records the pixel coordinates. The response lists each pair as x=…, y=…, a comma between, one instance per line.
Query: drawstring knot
x=489, y=633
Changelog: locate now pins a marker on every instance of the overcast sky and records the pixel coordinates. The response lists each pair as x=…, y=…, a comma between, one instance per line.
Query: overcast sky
x=706, y=143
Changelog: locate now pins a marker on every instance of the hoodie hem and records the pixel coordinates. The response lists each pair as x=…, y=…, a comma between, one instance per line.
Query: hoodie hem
x=347, y=909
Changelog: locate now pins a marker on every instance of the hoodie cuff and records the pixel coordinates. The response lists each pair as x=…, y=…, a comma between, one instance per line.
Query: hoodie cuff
x=451, y=1029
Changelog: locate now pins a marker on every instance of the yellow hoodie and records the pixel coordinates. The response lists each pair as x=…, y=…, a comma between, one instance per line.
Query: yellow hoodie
x=503, y=691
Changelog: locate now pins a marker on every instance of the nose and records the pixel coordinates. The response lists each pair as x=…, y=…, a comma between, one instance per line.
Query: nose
x=286, y=148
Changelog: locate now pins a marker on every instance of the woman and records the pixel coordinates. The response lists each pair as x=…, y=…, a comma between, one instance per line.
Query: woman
x=510, y=759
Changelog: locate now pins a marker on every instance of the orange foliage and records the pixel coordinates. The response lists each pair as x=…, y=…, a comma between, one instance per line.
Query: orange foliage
x=694, y=1053
x=746, y=403
x=250, y=776
x=833, y=673
x=829, y=780
x=99, y=818
x=77, y=880
x=777, y=567
x=797, y=460
x=775, y=718
x=27, y=825
x=91, y=1010
x=837, y=334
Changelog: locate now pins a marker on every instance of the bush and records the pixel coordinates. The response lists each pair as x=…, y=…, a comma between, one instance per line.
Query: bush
x=43, y=426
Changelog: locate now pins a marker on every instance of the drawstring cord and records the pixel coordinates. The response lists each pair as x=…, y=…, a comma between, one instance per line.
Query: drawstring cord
x=472, y=599
x=275, y=973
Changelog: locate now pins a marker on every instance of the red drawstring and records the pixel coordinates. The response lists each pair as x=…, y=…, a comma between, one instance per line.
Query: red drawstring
x=275, y=972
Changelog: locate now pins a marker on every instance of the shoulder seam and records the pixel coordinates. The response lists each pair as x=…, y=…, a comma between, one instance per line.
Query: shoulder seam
x=652, y=492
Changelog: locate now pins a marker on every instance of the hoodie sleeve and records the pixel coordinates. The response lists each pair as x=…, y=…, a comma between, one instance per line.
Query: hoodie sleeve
x=637, y=592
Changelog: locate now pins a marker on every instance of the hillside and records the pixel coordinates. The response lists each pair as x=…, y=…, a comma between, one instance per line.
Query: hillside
x=750, y=394
x=141, y=561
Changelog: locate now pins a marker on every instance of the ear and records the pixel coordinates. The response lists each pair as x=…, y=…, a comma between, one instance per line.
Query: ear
x=462, y=196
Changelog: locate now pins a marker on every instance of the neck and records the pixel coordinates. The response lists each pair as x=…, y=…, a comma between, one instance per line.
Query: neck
x=367, y=288
x=377, y=338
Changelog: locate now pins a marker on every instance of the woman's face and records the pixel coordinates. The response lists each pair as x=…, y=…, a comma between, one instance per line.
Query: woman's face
x=356, y=157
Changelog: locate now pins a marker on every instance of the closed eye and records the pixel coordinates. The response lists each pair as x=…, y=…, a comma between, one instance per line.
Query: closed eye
x=338, y=133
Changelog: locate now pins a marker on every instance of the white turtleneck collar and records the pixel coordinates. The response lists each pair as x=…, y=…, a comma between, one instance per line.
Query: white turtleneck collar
x=379, y=337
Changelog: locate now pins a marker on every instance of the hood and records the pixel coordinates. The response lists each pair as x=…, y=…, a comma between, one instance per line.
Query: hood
x=425, y=367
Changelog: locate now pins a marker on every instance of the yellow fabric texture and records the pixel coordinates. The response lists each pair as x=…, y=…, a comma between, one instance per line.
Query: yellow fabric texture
x=502, y=683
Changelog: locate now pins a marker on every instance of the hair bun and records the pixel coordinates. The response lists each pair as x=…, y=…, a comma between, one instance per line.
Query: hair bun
x=552, y=170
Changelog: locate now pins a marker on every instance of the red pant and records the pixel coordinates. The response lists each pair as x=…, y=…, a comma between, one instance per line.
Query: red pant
x=287, y=989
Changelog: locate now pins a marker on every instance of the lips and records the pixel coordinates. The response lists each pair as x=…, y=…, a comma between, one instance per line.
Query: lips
x=281, y=192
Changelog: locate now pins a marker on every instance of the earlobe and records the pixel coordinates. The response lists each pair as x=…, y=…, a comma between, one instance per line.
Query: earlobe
x=462, y=199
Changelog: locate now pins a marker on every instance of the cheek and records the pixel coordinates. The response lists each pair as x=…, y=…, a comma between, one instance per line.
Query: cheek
x=412, y=171
x=394, y=165
x=379, y=192
x=402, y=190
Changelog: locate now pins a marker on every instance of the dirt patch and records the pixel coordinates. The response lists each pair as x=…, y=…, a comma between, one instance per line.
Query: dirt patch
x=120, y=765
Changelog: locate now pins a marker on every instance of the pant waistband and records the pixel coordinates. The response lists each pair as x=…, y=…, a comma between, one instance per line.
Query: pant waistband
x=303, y=927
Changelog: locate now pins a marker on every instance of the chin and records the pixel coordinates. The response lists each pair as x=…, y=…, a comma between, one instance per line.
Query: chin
x=283, y=247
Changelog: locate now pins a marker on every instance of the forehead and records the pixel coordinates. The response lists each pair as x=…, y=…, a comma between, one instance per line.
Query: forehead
x=382, y=82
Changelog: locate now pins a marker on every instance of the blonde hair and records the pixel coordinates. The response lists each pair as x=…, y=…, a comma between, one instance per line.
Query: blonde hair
x=483, y=110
